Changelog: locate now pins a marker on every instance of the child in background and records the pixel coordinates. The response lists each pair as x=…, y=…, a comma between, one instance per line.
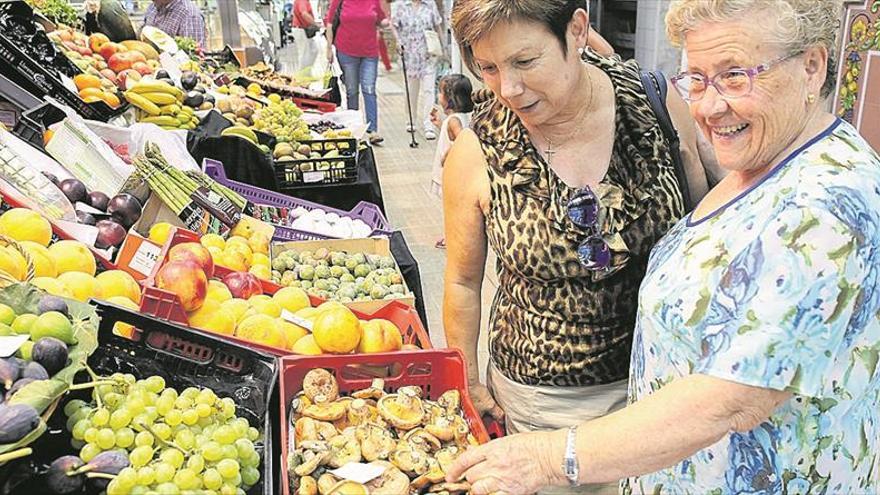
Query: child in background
x=456, y=104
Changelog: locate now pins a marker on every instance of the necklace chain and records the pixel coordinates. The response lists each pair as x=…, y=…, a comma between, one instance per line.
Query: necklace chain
x=549, y=152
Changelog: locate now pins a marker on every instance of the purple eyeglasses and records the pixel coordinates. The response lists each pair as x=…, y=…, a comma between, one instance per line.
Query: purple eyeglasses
x=583, y=211
x=733, y=83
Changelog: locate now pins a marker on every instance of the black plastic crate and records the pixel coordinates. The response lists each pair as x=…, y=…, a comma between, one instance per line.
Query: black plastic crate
x=344, y=168
x=185, y=357
x=35, y=121
x=41, y=78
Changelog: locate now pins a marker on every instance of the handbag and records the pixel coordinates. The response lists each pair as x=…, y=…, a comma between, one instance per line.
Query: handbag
x=337, y=18
x=311, y=31
x=432, y=39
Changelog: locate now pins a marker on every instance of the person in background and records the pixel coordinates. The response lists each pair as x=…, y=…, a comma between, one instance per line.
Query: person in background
x=456, y=104
x=411, y=19
x=304, y=18
x=383, y=47
x=357, y=48
x=177, y=18
x=754, y=362
x=109, y=17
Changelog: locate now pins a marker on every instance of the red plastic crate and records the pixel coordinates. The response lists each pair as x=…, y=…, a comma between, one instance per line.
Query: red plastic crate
x=318, y=105
x=434, y=371
x=63, y=234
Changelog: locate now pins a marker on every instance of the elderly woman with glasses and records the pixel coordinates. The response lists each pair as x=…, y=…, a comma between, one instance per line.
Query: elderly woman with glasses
x=568, y=176
x=755, y=360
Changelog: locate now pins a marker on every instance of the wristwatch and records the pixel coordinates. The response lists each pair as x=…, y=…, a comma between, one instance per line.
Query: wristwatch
x=570, y=462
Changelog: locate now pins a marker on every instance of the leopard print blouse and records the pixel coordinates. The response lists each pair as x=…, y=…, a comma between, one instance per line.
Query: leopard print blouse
x=552, y=321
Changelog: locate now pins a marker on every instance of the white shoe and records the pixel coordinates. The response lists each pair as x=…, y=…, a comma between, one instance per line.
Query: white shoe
x=410, y=128
x=430, y=135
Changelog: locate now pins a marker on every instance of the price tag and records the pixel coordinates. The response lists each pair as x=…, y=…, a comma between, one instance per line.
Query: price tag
x=310, y=177
x=10, y=343
x=296, y=320
x=145, y=258
x=359, y=472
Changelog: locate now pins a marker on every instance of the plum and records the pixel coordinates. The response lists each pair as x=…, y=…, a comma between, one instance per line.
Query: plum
x=85, y=218
x=51, y=353
x=74, y=189
x=125, y=209
x=53, y=303
x=60, y=478
x=35, y=371
x=98, y=200
x=10, y=371
x=110, y=233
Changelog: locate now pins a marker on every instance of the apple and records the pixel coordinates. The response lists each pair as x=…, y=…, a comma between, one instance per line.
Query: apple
x=186, y=280
x=123, y=78
x=122, y=61
x=243, y=285
x=195, y=252
x=142, y=68
x=97, y=40
x=379, y=336
x=109, y=74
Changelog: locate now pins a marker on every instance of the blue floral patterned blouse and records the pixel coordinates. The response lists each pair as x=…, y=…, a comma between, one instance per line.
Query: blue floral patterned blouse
x=777, y=289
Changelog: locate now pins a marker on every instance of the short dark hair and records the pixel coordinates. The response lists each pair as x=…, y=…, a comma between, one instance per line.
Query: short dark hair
x=457, y=89
x=471, y=19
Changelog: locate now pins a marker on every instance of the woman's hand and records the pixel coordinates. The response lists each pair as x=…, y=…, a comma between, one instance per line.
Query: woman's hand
x=522, y=463
x=330, y=54
x=435, y=117
x=484, y=402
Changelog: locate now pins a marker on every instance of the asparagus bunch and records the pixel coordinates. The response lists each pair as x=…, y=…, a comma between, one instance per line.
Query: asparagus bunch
x=173, y=186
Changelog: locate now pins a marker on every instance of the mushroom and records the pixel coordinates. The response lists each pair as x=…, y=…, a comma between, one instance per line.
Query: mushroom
x=320, y=382
x=347, y=487
x=451, y=401
x=343, y=422
x=343, y=449
x=299, y=403
x=309, y=429
x=326, y=483
x=358, y=412
x=409, y=459
x=416, y=391
x=391, y=482
x=433, y=475
x=422, y=439
x=376, y=442
x=307, y=486
x=403, y=409
x=446, y=457
x=324, y=410
x=463, y=437
x=375, y=391
x=310, y=461
x=460, y=487
x=442, y=427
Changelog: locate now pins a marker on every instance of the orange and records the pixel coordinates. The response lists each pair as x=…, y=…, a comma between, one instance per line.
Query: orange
x=262, y=329
x=83, y=81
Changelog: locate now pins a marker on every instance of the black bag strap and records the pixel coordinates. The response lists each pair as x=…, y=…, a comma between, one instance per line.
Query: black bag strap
x=655, y=86
x=337, y=18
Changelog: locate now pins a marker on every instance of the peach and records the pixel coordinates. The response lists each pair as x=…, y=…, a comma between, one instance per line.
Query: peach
x=97, y=40
x=109, y=49
x=142, y=68
x=380, y=336
x=195, y=252
x=187, y=280
x=243, y=285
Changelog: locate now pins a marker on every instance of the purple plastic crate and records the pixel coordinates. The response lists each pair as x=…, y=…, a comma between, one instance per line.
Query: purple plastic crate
x=367, y=212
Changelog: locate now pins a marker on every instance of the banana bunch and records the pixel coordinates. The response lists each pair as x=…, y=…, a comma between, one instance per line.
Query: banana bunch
x=162, y=104
x=245, y=133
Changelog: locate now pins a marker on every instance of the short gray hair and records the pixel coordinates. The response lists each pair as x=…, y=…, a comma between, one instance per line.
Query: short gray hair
x=472, y=19
x=800, y=24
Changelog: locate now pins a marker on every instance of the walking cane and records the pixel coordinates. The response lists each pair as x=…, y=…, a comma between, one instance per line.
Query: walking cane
x=412, y=127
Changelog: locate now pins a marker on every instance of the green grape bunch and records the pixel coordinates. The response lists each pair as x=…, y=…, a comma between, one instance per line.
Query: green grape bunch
x=282, y=120
x=176, y=442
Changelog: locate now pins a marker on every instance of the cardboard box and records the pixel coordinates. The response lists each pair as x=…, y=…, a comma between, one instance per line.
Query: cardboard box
x=376, y=245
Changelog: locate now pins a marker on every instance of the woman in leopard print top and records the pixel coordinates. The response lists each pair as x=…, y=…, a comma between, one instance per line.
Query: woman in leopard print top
x=555, y=120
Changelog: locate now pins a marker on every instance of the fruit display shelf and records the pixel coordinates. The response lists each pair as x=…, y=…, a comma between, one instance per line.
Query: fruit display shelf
x=434, y=371
x=367, y=212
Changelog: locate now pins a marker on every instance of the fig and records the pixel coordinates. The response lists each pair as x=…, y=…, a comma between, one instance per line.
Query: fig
x=110, y=234
x=52, y=177
x=35, y=371
x=18, y=386
x=16, y=421
x=51, y=353
x=125, y=209
x=58, y=479
x=10, y=371
x=74, y=190
x=53, y=303
x=98, y=200
x=85, y=218
x=107, y=462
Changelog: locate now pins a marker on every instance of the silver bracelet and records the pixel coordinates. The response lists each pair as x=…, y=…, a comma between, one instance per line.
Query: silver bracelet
x=570, y=465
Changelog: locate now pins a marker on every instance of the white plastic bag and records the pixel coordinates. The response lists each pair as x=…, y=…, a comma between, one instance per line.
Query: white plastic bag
x=172, y=144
